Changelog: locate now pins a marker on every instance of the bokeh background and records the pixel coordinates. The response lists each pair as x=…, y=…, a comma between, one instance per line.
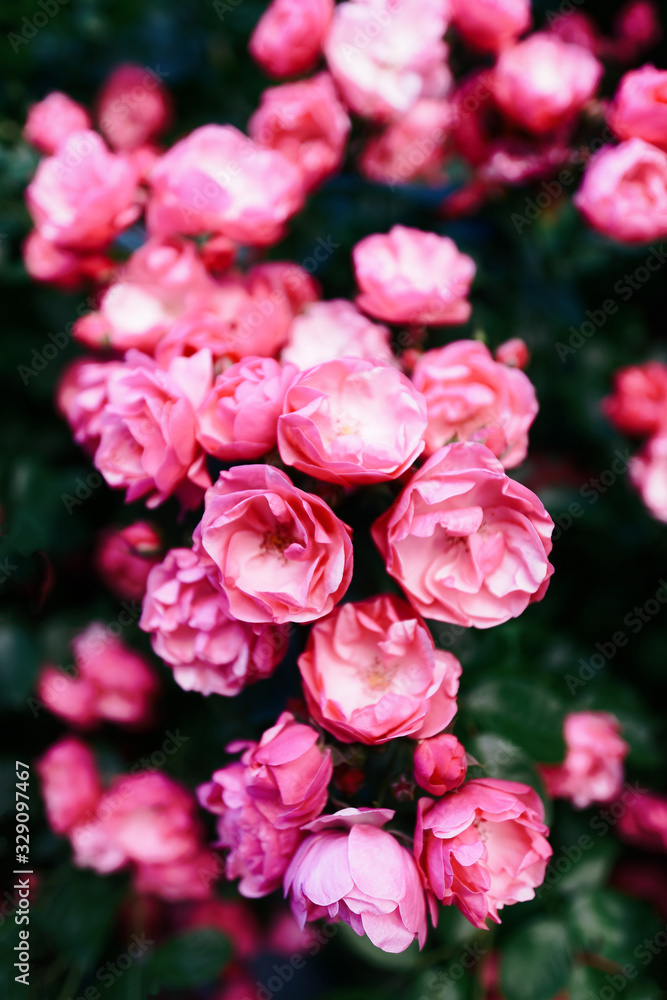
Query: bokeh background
x=610, y=559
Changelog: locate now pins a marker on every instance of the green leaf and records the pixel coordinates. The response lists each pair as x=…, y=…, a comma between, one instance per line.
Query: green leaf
x=611, y=924
x=18, y=664
x=527, y=713
x=188, y=961
x=587, y=983
x=536, y=962
x=81, y=913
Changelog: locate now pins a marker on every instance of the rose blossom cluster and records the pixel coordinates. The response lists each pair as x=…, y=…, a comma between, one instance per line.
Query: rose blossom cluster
x=144, y=819
x=224, y=381
x=638, y=406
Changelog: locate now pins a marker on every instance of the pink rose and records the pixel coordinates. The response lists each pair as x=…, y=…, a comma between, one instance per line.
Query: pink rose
x=191, y=630
x=352, y=421
x=219, y=180
x=624, y=192
x=638, y=404
x=513, y=352
x=259, y=852
x=408, y=276
x=593, y=767
x=185, y=879
x=440, y=764
x=83, y=195
x=483, y=847
x=82, y=397
x=411, y=148
x=45, y=261
x=242, y=314
x=577, y=28
x=282, y=554
x=471, y=397
x=640, y=106
x=467, y=544
x=238, y=419
x=644, y=821
x=161, y=281
x=371, y=673
x=384, y=55
x=112, y=682
x=52, y=119
x=636, y=29
x=125, y=556
x=350, y=869
x=133, y=107
x=288, y=37
x=306, y=122
x=336, y=329
x=491, y=25
x=543, y=82
x=71, y=786
x=287, y=773
x=148, y=439
x=648, y=472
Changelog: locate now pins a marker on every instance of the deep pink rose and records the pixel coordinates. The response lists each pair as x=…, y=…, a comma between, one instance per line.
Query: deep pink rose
x=385, y=55
x=336, y=329
x=242, y=315
x=160, y=282
x=350, y=869
x=491, y=25
x=287, y=773
x=218, y=180
x=577, y=28
x=411, y=148
x=112, y=682
x=52, y=119
x=440, y=764
x=371, y=673
x=148, y=439
x=187, y=878
x=259, y=852
x=238, y=419
x=125, y=556
x=648, y=472
x=82, y=397
x=467, y=544
x=471, y=397
x=644, y=821
x=409, y=276
x=352, y=421
x=513, y=352
x=624, y=192
x=83, y=195
x=71, y=786
x=67, y=269
x=133, y=107
x=593, y=767
x=543, y=82
x=282, y=554
x=186, y=613
x=306, y=122
x=637, y=28
x=483, y=847
x=288, y=37
x=640, y=106
x=638, y=404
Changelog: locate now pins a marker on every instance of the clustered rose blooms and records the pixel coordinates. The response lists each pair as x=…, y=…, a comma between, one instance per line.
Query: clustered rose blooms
x=638, y=406
x=593, y=767
x=223, y=382
x=186, y=613
x=111, y=682
x=143, y=819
